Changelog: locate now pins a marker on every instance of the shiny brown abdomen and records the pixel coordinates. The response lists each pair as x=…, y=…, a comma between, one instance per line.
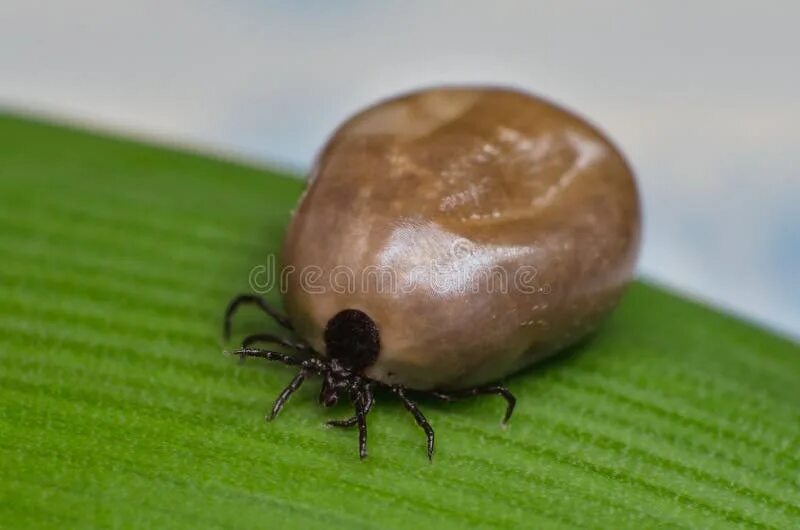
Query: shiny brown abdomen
x=483, y=229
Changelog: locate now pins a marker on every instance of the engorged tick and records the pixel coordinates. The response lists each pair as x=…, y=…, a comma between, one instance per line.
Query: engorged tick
x=484, y=229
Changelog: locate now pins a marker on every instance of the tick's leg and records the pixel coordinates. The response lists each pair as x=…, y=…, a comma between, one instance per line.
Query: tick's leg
x=418, y=417
x=361, y=420
x=259, y=302
x=273, y=339
x=286, y=393
x=310, y=365
x=349, y=422
x=270, y=355
x=369, y=400
x=499, y=390
x=362, y=401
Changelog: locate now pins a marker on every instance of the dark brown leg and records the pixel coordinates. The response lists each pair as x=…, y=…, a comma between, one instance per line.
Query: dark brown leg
x=259, y=302
x=270, y=355
x=283, y=397
x=272, y=339
x=418, y=417
x=369, y=400
x=499, y=390
x=361, y=420
x=349, y=422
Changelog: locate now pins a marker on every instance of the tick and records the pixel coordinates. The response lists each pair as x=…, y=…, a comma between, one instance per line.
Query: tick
x=448, y=238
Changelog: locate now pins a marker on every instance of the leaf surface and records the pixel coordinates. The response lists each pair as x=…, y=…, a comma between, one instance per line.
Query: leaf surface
x=118, y=408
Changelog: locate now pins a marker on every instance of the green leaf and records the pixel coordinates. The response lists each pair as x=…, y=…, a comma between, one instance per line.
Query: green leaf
x=119, y=409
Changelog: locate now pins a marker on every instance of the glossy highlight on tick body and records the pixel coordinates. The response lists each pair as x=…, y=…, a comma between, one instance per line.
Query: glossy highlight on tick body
x=471, y=179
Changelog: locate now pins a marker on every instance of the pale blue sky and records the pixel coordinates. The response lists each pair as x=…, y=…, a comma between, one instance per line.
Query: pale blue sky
x=703, y=98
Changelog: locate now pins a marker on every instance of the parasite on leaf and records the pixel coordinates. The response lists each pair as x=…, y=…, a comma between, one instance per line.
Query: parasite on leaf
x=458, y=235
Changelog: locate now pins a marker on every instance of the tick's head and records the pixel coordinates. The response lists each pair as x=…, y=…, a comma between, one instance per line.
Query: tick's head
x=352, y=339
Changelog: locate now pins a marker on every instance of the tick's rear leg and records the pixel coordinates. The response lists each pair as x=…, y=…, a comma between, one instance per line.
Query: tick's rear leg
x=499, y=390
x=257, y=301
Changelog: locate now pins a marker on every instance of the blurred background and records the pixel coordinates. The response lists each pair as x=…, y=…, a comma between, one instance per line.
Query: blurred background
x=704, y=98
